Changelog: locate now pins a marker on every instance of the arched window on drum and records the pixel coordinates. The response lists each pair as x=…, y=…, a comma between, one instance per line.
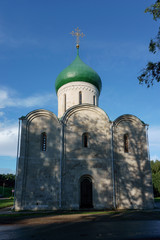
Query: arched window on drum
x=64, y=101
x=80, y=97
x=94, y=100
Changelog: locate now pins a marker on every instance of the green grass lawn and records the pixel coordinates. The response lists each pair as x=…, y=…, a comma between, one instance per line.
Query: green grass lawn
x=157, y=199
x=6, y=202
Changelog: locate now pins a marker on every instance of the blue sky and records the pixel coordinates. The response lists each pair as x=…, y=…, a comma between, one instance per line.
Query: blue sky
x=35, y=46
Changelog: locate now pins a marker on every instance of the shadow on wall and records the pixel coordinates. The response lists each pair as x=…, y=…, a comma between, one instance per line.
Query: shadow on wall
x=133, y=180
x=39, y=184
x=132, y=175
x=94, y=160
x=38, y=180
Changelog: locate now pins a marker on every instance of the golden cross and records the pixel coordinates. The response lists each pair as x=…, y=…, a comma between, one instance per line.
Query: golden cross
x=77, y=34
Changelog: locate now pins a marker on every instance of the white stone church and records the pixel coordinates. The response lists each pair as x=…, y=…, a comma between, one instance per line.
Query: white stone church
x=81, y=159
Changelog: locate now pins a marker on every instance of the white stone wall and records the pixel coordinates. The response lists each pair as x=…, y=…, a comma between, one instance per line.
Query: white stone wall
x=94, y=160
x=133, y=180
x=37, y=181
x=71, y=91
x=51, y=179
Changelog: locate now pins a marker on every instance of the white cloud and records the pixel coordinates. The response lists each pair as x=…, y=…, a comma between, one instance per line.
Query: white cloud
x=8, y=140
x=8, y=130
x=6, y=170
x=37, y=100
x=154, y=142
x=8, y=99
x=3, y=98
x=154, y=136
x=155, y=157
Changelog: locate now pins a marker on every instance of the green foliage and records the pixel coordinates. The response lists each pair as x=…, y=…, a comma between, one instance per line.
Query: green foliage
x=154, y=10
x=155, y=167
x=5, y=191
x=8, y=180
x=151, y=72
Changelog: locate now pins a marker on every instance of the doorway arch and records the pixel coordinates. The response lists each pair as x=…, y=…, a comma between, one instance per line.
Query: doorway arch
x=86, y=200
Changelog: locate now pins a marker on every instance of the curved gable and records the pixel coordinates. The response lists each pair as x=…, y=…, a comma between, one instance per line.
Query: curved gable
x=39, y=123
x=40, y=113
x=128, y=117
x=87, y=132
x=88, y=109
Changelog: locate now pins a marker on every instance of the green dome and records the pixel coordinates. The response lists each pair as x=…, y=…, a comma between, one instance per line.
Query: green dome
x=78, y=71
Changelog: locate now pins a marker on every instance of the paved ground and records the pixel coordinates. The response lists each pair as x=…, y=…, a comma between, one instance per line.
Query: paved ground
x=116, y=225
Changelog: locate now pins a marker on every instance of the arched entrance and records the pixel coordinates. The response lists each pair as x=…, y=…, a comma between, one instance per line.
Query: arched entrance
x=86, y=192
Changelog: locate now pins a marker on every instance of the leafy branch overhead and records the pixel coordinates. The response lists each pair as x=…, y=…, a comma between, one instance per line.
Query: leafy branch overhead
x=151, y=72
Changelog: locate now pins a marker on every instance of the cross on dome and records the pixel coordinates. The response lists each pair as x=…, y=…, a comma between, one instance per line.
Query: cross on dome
x=78, y=35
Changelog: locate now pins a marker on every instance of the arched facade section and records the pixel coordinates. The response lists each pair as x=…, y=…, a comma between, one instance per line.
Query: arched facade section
x=130, y=160
x=38, y=113
x=87, y=132
x=90, y=124
x=38, y=123
x=89, y=107
x=130, y=135
x=39, y=161
x=128, y=117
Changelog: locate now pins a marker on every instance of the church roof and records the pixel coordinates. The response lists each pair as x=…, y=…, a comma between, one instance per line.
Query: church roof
x=78, y=71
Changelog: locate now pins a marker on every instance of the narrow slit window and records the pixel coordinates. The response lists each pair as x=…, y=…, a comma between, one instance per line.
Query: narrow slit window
x=80, y=97
x=85, y=140
x=126, y=143
x=64, y=102
x=94, y=100
x=44, y=141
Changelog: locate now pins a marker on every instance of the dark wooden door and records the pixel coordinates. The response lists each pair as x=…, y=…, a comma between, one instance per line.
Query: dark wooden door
x=86, y=193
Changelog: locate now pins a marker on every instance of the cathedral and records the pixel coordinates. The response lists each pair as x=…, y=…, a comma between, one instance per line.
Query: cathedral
x=81, y=159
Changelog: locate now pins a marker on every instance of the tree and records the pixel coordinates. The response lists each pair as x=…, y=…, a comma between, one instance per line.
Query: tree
x=151, y=72
x=7, y=179
x=155, y=168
